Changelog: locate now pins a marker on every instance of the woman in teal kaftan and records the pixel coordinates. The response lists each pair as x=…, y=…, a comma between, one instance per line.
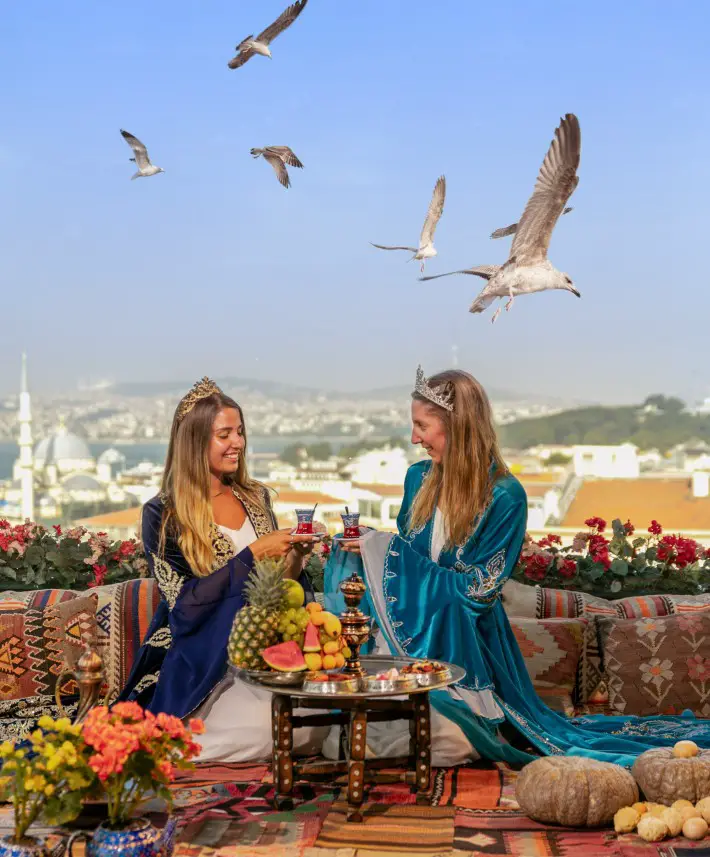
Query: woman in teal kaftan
x=433, y=599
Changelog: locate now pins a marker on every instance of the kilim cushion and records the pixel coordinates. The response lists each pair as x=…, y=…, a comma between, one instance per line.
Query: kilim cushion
x=658, y=665
x=37, y=644
x=552, y=649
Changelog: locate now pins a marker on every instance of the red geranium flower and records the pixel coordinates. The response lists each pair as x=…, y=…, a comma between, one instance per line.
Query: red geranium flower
x=655, y=529
x=100, y=572
x=57, y=529
x=629, y=528
x=568, y=568
x=598, y=524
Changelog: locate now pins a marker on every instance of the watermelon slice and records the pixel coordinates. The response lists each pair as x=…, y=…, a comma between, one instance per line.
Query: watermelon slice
x=286, y=657
x=311, y=642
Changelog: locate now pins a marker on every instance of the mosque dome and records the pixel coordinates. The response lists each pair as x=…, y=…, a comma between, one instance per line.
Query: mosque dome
x=111, y=456
x=82, y=482
x=62, y=446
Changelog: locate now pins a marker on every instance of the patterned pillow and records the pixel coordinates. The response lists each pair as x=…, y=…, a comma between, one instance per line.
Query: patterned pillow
x=37, y=644
x=552, y=649
x=658, y=665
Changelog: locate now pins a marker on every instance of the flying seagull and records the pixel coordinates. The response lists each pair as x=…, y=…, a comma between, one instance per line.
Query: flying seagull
x=141, y=159
x=279, y=157
x=510, y=230
x=528, y=269
x=260, y=45
x=426, y=249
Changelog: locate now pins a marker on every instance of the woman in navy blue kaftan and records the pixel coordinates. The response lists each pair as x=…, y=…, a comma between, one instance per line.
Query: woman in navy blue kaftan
x=434, y=598
x=182, y=666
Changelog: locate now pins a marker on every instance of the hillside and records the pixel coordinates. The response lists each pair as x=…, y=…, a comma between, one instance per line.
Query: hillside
x=658, y=423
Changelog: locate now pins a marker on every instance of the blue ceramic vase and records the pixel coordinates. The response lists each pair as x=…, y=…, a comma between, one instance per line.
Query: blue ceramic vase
x=30, y=847
x=137, y=839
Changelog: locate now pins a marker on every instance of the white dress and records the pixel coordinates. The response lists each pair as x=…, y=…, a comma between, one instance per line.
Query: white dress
x=238, y=717
x=449, y=745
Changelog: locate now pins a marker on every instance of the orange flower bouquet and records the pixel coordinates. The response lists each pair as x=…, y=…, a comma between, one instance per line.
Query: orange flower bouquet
x=134, y=752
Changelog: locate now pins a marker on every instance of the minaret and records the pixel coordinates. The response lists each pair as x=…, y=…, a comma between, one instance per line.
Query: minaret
x=26, y=469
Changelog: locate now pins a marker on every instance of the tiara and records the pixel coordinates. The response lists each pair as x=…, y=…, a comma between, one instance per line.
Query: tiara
x=445, y=399
x=200, y=390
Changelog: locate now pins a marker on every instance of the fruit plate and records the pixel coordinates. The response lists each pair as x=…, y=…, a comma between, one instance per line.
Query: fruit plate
x=434, y=677
x=330, y=688
x=275, y=678
x=401, y=684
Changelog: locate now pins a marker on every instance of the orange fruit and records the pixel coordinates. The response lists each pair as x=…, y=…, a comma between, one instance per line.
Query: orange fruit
x=313, y=661
x=329, y=662
x=314, y=607
x=331, y=648
x=339, y=659
x=317, y=617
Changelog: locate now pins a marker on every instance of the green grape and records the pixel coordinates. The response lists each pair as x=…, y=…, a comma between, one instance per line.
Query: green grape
x=291, y=612
x=302, y=619
x=286, y=637
x=291, y=629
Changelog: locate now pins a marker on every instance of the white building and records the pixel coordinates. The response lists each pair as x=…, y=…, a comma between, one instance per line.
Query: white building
x=606, y=462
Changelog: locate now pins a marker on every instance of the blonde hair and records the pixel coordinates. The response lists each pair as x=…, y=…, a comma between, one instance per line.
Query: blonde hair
x=462, y=484
x=187, y=504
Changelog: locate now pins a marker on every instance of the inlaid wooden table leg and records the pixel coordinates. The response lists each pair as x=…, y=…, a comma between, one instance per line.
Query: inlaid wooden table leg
x=282, y=735
x=421, y=746
x=356, y=764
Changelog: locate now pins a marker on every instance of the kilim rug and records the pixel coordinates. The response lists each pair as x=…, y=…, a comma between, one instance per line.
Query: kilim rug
x=413, y=829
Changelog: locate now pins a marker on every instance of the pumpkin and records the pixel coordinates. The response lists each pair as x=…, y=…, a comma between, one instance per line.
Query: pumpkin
x=574, y=791
x=665, y=777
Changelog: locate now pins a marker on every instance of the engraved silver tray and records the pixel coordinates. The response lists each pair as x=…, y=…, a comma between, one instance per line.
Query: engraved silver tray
x=331, y=688
x=276, y=678
x=403, y=684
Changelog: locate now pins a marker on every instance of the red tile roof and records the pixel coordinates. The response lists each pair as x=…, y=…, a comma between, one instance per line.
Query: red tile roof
x=122, y=518
x=670, y=501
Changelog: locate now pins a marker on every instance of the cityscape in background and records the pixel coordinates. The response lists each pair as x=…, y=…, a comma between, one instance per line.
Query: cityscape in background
x=96, y=455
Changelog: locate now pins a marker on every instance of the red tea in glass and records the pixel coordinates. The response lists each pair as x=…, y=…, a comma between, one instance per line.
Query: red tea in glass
x=351, y=525
x=305, y=522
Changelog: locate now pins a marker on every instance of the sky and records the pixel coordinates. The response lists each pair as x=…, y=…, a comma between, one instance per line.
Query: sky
x=213, y=268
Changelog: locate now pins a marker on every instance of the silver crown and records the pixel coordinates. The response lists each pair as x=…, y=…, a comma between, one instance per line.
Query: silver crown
x=445, y=399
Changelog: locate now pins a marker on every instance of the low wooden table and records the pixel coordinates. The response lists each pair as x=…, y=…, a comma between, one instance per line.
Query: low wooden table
x=353, y=711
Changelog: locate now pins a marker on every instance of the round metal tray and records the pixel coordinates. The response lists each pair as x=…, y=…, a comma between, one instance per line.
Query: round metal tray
x=372, y=664
x=433, y=678
x=276, y=678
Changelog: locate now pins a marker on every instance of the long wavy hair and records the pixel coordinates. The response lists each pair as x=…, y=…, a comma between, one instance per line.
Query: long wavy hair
x=462, y=484
x=187, y=513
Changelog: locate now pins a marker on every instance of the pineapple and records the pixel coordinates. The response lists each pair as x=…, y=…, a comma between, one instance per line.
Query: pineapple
x=255, y=625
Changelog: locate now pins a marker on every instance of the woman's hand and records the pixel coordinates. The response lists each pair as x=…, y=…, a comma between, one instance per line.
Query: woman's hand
x=349, y=547
x=278, y=543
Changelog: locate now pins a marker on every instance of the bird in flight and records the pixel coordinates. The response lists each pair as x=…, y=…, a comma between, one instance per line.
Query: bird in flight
x=279, y=157
x=260, y=45
x=140, y=157
x=426, y=248
x=528, y=269
x=512, y=229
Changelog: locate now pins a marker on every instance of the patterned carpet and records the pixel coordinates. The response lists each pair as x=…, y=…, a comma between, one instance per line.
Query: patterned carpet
x=227, y=811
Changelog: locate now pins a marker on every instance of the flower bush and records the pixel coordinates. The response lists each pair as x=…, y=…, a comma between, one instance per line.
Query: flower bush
x=314, y=562
x=33, y=557
x=619, y=563
x=45, y=775
x=134, y=752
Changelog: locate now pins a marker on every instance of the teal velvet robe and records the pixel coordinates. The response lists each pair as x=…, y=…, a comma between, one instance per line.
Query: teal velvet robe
x=451, y=610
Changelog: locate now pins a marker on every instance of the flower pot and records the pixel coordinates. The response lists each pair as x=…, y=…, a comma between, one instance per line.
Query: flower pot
x=138, y=838
x=29, y=847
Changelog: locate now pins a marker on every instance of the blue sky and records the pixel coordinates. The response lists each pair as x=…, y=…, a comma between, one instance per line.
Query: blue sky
x=213, y=268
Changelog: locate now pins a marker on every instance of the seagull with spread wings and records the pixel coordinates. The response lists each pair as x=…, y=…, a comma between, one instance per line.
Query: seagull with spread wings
x=279, y=157
x=513, y=228
x=260, y=45
x=528, y=269
x=140, y=157
x=426, y=240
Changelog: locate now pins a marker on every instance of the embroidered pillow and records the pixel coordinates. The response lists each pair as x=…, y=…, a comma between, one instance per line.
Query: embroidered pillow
x=37, y=644
x=551, y=649
x=658, y=665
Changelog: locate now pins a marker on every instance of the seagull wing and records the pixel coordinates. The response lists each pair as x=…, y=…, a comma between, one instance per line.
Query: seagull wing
x=484, y=271
x=287, y=156
x=279, y=167
x=139, y=150
x=385, y=247
x=555, y=184
x=283, y=22
x=243, y=55
x=436, y=208
x=511, y=230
